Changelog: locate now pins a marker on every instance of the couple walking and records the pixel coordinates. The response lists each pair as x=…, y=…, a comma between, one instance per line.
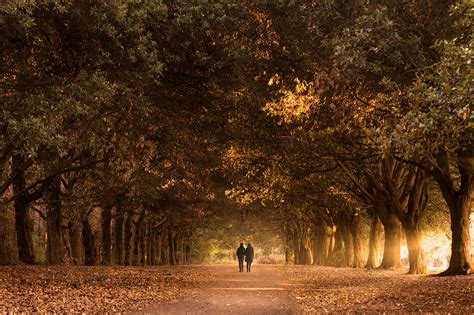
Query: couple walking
x=247, y=253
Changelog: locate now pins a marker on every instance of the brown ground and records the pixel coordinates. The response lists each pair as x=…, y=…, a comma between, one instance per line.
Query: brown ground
x=347, y=290
x=222, y=289
x=262, y=291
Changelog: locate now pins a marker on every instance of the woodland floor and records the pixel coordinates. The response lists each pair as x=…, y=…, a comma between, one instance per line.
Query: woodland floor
x=222, y=289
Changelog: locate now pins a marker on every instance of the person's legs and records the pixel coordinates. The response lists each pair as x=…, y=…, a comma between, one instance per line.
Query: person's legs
x=249, y=265
x=241, y=265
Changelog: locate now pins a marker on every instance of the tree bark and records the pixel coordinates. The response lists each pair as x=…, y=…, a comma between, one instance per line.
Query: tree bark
x=75, y=239
x=331, y=244
x=337, y=258
x=460, y=262
x=119, y=221
x=391, y=253
x=356, y=240
x=137, y=243
x=171, y=246
x=322, y=245
x=416, y=255
x=296, y=250
x=459, y=203
x=151, y=248
x=375, y=240
x=143, y=246
x=188, y=253
x=106, y=220
x=53, y=222
x=6, y=250
x=23, y=223
x=128, y=258
x=88, y=243
x=348, y=245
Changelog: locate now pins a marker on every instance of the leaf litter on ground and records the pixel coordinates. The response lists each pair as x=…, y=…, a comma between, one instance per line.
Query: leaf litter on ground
x=73, y=289
x=348, y=290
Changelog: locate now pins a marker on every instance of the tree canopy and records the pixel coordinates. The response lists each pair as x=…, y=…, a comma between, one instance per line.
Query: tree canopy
x=154, y=132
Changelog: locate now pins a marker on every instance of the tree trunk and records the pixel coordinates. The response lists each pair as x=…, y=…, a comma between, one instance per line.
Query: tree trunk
x=143, y=246
x=53, y=222
x=303, y=259
x=391, y=253
x=348, y=245
x=119, y=252
x=416, y=255
x=375, y=240
x=460, y=262
x=128, y=241
x=171, y=246
x=188, y=253
x=158, y=249
x=331, y=241
x=321, y=244
x=5, y=248
x=356, y=240
x=75, y=239
x=459, y=203
x=106, y=220
x=23, y=223
x=296, y=250
x=163, y=248
x=88, y=243
x=137, y=248
x=151, y=246
x=337, y=258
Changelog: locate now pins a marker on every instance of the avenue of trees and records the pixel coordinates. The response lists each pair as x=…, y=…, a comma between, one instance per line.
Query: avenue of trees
x=128, y=127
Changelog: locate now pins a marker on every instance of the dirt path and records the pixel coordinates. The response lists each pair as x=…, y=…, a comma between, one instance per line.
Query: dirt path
x=261, y=291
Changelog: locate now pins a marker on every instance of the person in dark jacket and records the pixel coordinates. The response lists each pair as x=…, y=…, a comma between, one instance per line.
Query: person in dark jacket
x=240, y=256
x=249, y=256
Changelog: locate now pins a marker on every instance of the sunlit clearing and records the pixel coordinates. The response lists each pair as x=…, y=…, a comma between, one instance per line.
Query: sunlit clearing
x=437, y=248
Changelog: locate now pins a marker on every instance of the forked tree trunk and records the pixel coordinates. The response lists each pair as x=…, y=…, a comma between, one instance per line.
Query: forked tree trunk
x=53, y=222
x=23, y=225
x=375, y=240
x=391, y=253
